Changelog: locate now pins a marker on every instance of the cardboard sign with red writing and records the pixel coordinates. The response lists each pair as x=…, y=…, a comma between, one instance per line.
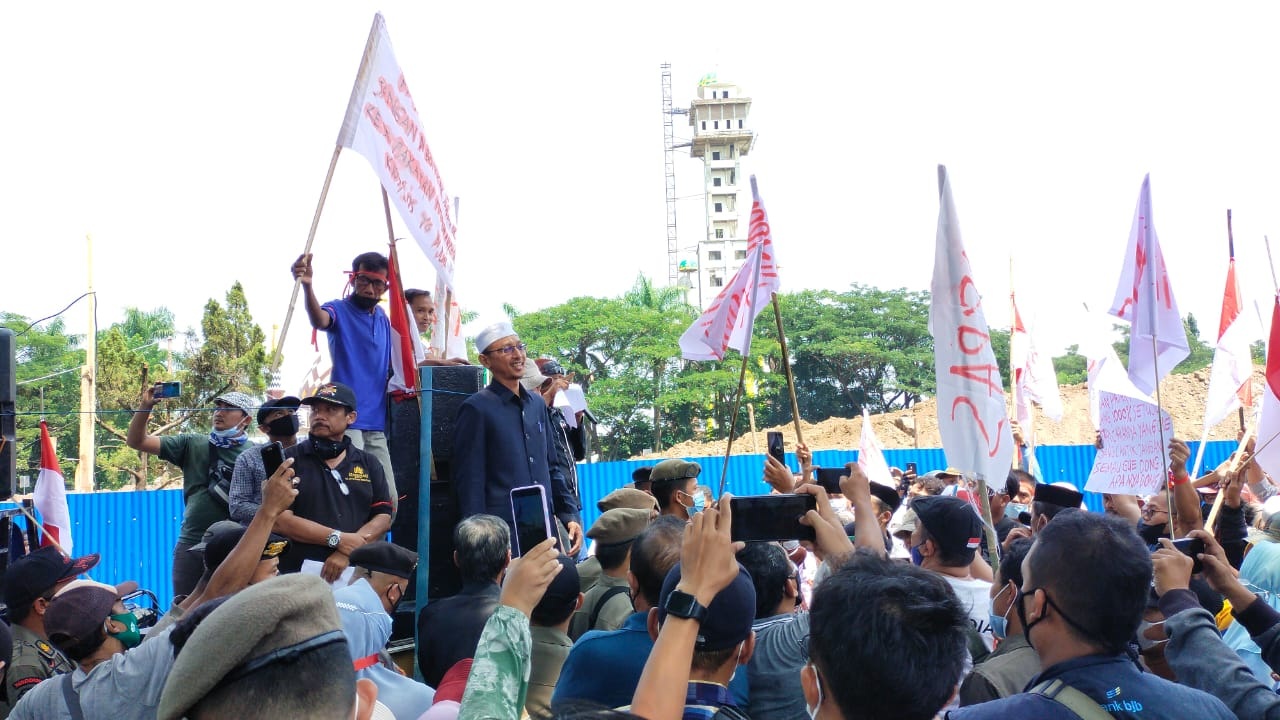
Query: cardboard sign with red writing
x=1132, y=460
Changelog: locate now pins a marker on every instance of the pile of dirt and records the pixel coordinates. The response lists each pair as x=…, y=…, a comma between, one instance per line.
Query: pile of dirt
x=1182, y=396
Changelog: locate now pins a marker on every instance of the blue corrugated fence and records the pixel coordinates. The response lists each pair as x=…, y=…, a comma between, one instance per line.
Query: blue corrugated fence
x=135, y=531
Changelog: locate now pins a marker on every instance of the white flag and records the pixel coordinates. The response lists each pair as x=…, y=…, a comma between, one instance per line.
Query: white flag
x=729, y=320
x=382, y=125
x=1034, y=379
x=971, y=408
x=1229, y=378
x=871, y=455
x=1144, y=299
x=1268, y=442
x=50, y=495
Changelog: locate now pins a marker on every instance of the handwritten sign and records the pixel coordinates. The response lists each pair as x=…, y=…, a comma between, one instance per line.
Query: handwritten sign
x=1132, y=460
x=382, y=125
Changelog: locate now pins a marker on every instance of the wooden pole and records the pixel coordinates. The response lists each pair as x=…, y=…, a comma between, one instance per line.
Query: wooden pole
x=751, y=422
x=1237, y=467
x=88, y=387
x=786, y=365
x=276, y=355
x=733, y=424
x=1013, y=376
x=1271, y=263
x=993, y=542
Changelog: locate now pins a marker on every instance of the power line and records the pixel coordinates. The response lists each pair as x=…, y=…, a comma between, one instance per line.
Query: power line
x=50, y=317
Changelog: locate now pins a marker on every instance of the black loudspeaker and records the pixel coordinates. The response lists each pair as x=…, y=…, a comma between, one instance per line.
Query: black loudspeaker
x=452, y=386
x=8, y=406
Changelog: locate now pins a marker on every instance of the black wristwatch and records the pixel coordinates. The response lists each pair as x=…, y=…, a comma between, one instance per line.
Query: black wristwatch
x=683, y=605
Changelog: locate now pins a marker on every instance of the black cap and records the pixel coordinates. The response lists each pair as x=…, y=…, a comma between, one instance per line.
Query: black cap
x=950, y=521
x=35, y=574
x=561, y=596
x=287, y=401
x=333, y=392
x=1064, y=497
x=887, y=494
x=385, y=557
x=221, y=538
x=729, y=616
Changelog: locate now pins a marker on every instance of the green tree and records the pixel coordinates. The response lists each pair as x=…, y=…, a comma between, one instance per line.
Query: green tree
x=1201, y=353
x=49, y=364
x=1072, y=368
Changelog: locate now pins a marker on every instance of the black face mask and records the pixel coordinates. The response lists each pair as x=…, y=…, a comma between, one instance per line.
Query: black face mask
x=363, y=302
x=327, y=449
x=1151, y=534
x=286, y=426
x=395, y=604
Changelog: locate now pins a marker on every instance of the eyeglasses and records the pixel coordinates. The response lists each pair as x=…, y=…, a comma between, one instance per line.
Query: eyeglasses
x=371, y=281
x=1148, y=511
x=507, y=350
x=342, y=485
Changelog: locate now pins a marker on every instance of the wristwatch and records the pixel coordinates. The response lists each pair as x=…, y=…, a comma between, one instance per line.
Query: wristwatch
x=683, y=605
x=335, y=538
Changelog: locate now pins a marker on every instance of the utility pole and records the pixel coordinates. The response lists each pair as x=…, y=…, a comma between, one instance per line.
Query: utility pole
x=88, y=387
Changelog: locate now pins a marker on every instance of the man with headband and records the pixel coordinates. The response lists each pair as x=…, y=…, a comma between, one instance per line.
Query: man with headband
x=359, y=334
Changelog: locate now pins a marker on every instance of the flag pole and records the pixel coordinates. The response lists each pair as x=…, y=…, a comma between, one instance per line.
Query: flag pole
x=1013, y=374
x=276, y=355
x=733, y=424
x=786, y=365
x=1271, y=263
x=1237, y=467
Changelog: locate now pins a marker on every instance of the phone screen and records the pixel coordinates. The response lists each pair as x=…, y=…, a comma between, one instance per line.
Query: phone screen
x=775, y=447
x=272, y=457
x=532, y=521
x=911, y=468
x=167, y=390
x=829, y=479
x=771, y=517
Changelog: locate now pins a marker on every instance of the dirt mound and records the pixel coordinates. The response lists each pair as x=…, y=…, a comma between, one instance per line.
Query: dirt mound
x=1182, y=396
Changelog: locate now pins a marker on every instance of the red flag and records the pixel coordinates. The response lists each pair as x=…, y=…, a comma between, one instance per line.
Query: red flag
x=50, y=495
x=1268, y=453
x=1229, y=377
x=729, y=320
x=406, y=349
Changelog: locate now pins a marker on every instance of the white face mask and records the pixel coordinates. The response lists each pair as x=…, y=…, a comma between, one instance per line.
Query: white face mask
x=817, y=683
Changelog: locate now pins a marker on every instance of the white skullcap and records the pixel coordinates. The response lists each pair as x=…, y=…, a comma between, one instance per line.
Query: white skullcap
x=492, y=334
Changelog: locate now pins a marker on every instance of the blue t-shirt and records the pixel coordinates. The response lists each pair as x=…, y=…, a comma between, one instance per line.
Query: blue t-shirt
x=604, y=666
x=360, y=348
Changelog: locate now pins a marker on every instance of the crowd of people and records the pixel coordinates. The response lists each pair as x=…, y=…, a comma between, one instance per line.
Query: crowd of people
x=915, y=597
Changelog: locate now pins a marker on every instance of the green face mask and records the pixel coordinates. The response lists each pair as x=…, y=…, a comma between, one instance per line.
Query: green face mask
x=130, y=637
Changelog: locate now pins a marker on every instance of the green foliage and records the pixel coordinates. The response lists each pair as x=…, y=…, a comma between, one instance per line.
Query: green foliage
x=48, y=360
x=1201, y=352
x=1072, y=368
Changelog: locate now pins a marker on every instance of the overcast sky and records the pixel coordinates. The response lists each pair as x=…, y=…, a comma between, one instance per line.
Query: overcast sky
x=192, y=141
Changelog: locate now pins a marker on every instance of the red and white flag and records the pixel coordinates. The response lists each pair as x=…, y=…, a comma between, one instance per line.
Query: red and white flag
x=406, y=346
x=1034, y=379
x=1268, y=443
x=1144, y=299
x=728, y=322
x=871, y=454
x=382, y=125
x=972, y=418
x=50, y=495
x=1229, y=378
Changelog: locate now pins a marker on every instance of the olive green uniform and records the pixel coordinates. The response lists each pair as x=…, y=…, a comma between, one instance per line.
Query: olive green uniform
x=34, y=660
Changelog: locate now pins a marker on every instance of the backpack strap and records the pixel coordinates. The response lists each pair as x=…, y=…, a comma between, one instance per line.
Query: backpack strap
x=1072, y=699
x=71, y=697
x=604, y=600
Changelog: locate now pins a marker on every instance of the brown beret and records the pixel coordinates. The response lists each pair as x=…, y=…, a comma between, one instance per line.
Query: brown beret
x=627, y=498
x=674, y=469
x=619, y=525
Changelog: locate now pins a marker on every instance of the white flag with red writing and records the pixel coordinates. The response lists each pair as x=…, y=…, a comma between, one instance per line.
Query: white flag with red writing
x=406, y=346
x=1268, y=443
x=728, y=322
x=382, y=125
x=50, y=496
x=1144, y=299
x=972, y=417
x=871, y=454
x=1229, y=378
x=1034, y=379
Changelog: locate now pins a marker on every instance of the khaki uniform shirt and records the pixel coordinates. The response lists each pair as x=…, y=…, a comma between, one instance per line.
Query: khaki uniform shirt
x=550, y=649
x=611, y=615
x=34, y=660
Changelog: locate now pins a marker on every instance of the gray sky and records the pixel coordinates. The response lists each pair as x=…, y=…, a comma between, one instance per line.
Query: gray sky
x=191, y=141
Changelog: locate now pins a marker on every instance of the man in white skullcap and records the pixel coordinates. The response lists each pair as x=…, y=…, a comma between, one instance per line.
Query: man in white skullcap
x=503, y=440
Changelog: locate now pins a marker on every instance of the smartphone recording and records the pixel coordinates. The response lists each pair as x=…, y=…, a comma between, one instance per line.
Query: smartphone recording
x=759, y=518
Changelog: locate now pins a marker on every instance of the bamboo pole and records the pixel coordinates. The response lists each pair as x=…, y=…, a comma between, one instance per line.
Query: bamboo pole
x=786, y=365
x=276, y=354
x=733, y=424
